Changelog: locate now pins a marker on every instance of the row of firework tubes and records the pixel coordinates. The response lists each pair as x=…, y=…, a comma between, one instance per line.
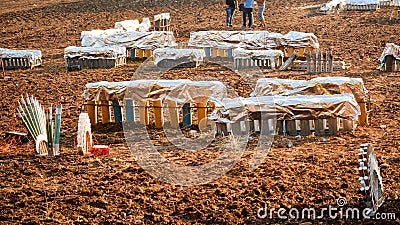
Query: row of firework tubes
x=363, y=169
x=40, y=125
x=371, y=185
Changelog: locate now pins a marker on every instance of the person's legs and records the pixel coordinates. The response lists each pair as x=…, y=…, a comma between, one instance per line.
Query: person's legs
x=228, y=16
x=250, y=15
x=232, y=12
x=244, y=12
x=229, y=13
x=261, y=15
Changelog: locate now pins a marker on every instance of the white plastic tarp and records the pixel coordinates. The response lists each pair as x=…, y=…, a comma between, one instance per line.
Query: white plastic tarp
x=145, y=25
x=134, y=25
x=127, y=25
x=162, y=16
x=31, y=55
x=333, y=4
x=235, y=39
x=301, y=39
x=128, y=39
x=191, y=55
x=110, y=52
x=240, y=53
x=390, y=49
x=362, y=2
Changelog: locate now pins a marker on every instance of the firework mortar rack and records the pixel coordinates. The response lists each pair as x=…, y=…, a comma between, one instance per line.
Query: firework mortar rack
x=40, y=125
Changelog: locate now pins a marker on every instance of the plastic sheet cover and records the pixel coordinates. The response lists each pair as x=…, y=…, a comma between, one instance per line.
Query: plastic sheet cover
x=240, y=53
x=332, y=4
x=316, y=86
x=162, y=16
x=127, y=25
x=145, y=25
x=300, y=39
x=180, y=91
x=134, y=25
x=236, y=39
x=128, y=39
x=361, y=2
x=109, y=52
x=390, y=49
x=31, y=55
x=292, y=107
x=191, y=55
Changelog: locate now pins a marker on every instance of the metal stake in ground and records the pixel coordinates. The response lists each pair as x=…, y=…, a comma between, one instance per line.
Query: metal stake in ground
x=2, y=66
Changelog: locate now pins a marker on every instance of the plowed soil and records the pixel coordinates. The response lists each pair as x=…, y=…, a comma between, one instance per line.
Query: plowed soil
x=114, y=189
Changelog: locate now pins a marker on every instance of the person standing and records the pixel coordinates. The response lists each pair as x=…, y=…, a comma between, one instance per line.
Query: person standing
x=261, y=8
x=248, y=12
x=230, y=6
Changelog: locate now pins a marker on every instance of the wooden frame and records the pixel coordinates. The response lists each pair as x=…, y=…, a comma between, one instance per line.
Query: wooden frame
x=86, y=63
x=19, y=63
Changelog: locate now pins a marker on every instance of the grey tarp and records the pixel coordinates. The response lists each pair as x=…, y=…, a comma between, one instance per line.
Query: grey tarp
x=292, y=107
x=316, y=86
x=180, y=91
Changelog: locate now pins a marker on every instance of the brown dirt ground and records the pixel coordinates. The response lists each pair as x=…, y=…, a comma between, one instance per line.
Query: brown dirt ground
x=115, y=190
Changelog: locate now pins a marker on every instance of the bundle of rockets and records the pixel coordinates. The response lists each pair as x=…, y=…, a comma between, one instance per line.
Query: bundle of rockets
x=40, y=125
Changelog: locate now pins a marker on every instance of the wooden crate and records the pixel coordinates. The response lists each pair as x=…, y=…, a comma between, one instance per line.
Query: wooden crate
x=301, y=52
x=329, y=126
x=218, y=53
x=391, y=64
x=369, y=7
x=319, y=62
x=87, y=63
x=386, y=3
x=137, y=53
x=168, y=63
x=149, y=112
x=299, y=65
x=258, y=63
x=19, y=63
x=161, y=23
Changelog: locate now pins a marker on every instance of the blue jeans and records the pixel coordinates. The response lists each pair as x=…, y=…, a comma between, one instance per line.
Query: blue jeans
x=248, y=12
x=261, y=12
x=229, y=14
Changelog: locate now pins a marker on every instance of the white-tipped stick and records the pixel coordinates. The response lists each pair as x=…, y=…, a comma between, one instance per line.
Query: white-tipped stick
x=41, y=115
x=28, y=117
x=33, y=115
x=28, y=126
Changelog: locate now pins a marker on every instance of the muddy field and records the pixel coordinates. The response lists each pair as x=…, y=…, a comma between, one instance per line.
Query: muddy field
x=114, y=189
